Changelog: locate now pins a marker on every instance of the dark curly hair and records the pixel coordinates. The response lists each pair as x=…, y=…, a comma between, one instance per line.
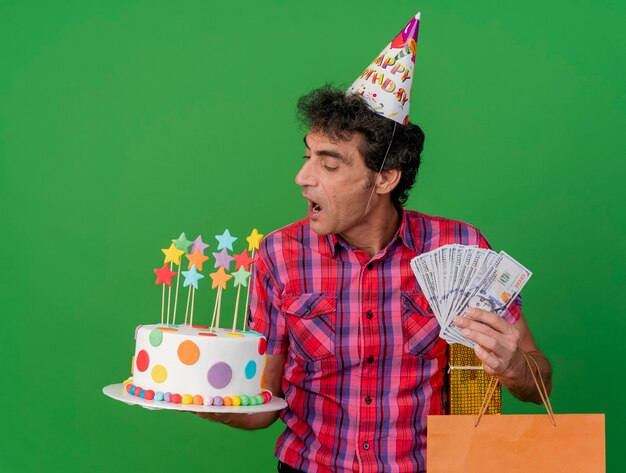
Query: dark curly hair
x=338, y=115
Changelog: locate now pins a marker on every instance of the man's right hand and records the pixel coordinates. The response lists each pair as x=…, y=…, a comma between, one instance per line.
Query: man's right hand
x=274, y=369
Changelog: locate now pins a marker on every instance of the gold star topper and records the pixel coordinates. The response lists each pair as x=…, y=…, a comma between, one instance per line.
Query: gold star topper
x=172, y=254
x=254, y=240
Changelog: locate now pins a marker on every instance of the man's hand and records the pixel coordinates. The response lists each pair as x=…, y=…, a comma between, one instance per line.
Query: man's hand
x=500, y=349
x=274, y=369
x=242, y=421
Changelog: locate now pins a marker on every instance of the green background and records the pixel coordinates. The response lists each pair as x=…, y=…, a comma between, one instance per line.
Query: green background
x=123, y=123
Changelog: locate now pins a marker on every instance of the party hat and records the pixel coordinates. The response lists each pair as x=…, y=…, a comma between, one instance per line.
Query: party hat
x=386, y=83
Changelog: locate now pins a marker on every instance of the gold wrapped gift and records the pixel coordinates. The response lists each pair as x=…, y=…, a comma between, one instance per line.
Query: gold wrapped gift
x=468, y=383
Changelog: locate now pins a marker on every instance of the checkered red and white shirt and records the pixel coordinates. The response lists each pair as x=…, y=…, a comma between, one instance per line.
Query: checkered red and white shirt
x=365, y=364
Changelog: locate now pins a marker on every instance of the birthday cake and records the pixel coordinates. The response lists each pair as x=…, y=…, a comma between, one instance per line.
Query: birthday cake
x=194, y=365
x=205, y=365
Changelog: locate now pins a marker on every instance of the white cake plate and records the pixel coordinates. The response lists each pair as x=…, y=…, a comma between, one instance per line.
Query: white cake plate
x=118, y=392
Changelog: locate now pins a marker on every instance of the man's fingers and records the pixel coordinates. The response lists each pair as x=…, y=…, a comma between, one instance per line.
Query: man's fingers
x=483, y=339
x=489, y=318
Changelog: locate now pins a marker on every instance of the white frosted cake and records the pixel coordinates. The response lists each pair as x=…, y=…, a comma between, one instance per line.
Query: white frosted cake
x=194, y=365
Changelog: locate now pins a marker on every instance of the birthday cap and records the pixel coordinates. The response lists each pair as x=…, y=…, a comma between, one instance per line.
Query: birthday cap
x=386, y=83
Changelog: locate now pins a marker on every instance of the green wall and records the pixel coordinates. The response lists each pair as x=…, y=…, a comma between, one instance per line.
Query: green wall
x=123, y=123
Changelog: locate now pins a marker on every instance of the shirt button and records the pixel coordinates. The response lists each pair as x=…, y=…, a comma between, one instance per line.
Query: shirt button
x=366, y=446
x=370, y=359
x=368, y=400
x=369, y=315
x=369, y=266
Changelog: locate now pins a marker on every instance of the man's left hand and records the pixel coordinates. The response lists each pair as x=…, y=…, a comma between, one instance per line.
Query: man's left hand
x=498, y=340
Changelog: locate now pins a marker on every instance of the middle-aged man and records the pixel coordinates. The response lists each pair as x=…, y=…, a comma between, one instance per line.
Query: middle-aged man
x=352, y=343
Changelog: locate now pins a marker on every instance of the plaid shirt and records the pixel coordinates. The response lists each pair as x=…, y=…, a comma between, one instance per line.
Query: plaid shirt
x=365, y=365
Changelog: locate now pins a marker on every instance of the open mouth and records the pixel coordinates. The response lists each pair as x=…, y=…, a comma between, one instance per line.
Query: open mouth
x=315, y=207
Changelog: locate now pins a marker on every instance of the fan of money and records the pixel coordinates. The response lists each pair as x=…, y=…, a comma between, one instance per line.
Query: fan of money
x=455, y=277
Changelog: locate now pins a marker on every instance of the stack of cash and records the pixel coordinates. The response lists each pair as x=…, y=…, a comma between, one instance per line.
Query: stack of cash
x=455, y=277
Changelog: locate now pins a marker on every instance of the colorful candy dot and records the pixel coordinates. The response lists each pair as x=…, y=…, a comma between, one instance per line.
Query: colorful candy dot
x=142, y=393
x=188, y=352
x=252, y=333
x=200, y=326
x=128, y=388
x=250, y=369
x=158, y=396
x=219, y=375
x=262, y=346
x=253, y=400
x=155, y=337
x=207, y=334
x=168, y=329
x=176, y=398
x=149, y=395
x=234, y=334
x=159, y=373
x=197, y=400
x=131, y=390
x=208, y=400
x=236, y=400
x=218, y=401
x=187, y=399
x=142, y=361
x=259, y=399
x=245, y=400
x=167, y=397
x=228, y=401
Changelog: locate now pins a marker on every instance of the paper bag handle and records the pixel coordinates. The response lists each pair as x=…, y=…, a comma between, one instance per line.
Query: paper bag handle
x=541, y=388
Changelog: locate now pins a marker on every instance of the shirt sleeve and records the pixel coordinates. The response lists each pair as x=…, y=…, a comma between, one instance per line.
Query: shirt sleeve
x=514, y=310
x=264, y=313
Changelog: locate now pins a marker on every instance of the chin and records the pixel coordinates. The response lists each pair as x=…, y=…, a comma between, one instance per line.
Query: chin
x=319, y=228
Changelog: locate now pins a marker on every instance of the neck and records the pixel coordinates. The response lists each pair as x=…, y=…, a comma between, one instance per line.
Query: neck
x=376, y=230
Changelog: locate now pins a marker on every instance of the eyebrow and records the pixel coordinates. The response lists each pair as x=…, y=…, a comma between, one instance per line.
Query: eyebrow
x=327, y=152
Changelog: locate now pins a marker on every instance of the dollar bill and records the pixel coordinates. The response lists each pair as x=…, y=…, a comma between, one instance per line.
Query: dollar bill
x=455, y=277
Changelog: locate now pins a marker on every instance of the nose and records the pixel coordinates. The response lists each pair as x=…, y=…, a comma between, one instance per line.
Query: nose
x=306, y=174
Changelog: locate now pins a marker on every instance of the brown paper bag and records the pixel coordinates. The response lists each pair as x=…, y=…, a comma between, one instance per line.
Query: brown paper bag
x=516, y=443
x=549, y=443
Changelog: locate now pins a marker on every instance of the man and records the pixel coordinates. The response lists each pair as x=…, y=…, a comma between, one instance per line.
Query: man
x=352, y=345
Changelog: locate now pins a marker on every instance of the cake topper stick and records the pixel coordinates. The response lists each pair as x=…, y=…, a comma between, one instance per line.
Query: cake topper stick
x=187, y=308
x=182, y=244
x=214, y=315
x=241, y=279
x=164, y=276
x=162, y=303
x=215, y=322
x=172, y=255
x=196, y=258
x=193, y=300
x=236, y=309
x=169, y=295
x=219, y=306
x=176, y=296
x=220, y=278
x=254, y=243
x=191, y=279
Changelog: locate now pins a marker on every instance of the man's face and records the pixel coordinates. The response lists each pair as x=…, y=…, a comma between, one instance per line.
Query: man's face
x=336, y=183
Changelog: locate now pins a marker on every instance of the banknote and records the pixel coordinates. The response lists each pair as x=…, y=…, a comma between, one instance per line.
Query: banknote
x=455, y=277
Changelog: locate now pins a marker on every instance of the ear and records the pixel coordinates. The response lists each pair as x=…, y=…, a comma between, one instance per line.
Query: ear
x=387, y=181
